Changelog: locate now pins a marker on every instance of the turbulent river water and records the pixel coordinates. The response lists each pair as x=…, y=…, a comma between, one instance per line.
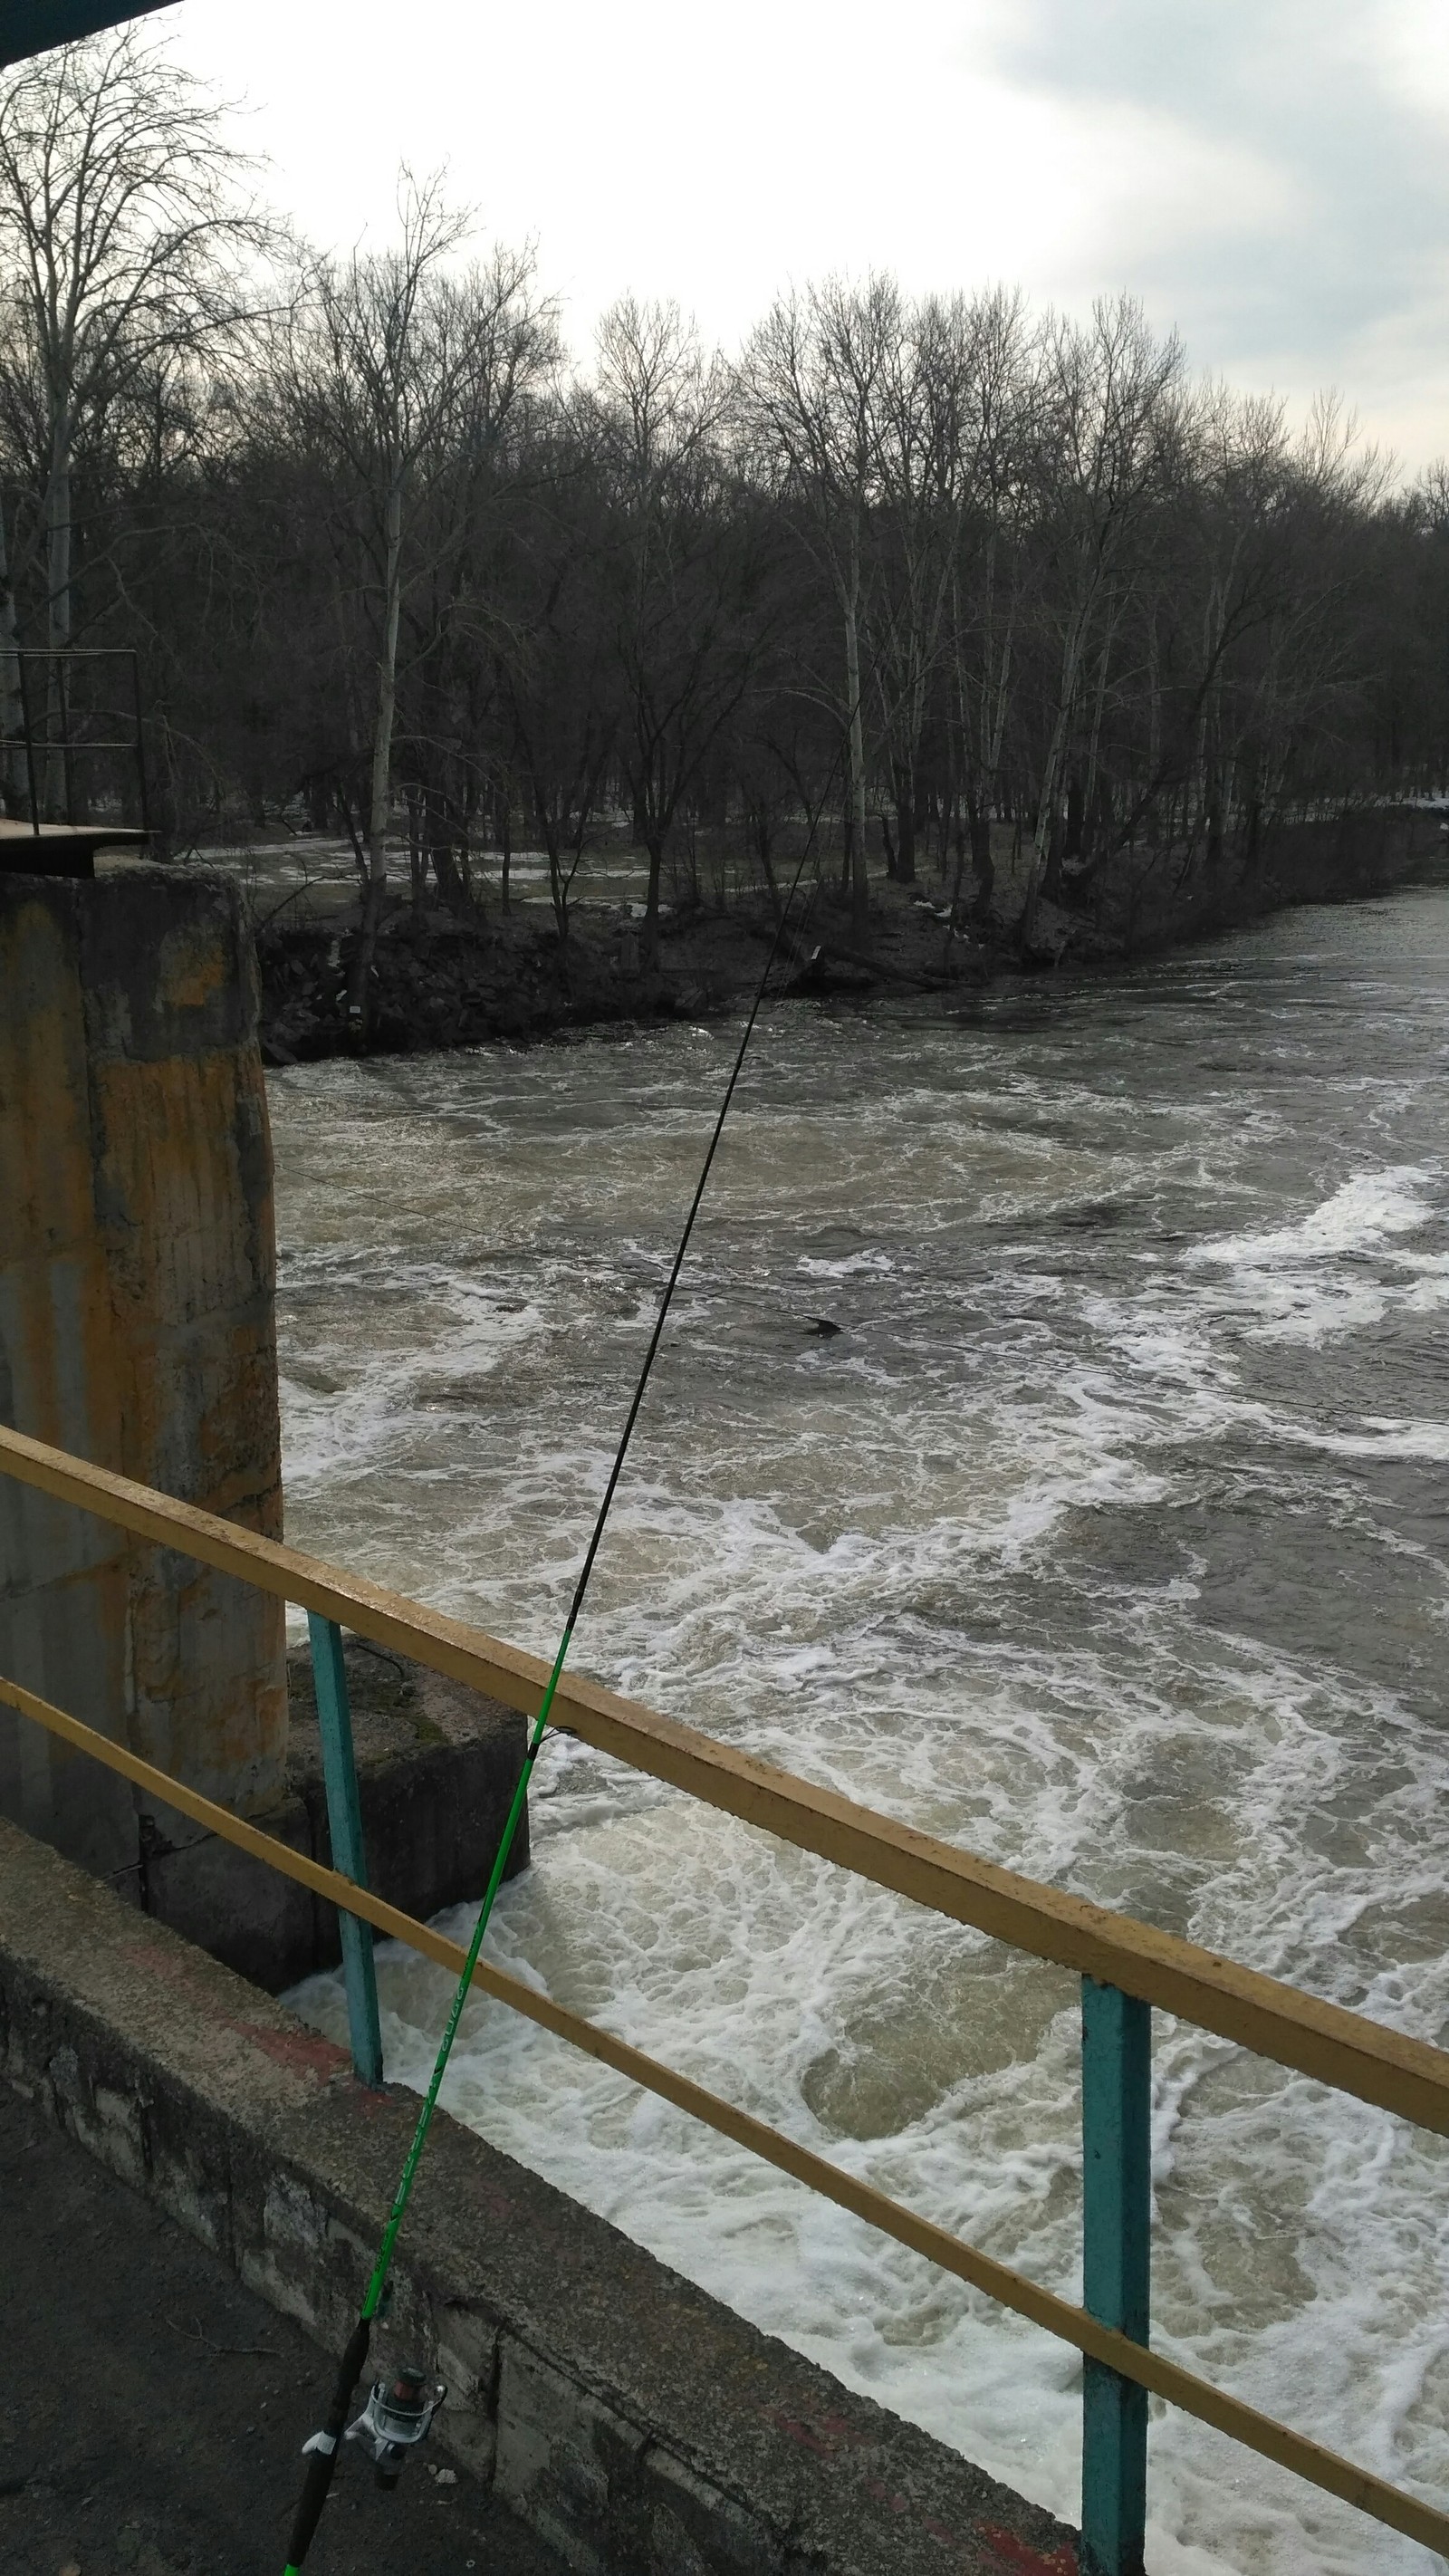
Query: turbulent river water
x=1107, y=1538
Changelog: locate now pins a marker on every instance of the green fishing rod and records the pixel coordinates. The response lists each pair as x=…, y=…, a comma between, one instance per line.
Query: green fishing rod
x=397, y=2416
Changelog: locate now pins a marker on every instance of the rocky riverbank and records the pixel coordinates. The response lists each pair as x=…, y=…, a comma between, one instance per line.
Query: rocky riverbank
x=442, y=980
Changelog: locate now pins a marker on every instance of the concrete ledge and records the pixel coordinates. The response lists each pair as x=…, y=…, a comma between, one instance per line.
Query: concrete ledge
x=437, y=1765
x=639, y=2426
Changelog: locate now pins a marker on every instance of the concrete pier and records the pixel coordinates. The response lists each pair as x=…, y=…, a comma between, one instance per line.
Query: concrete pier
x=437, y=1766
x=136, y=1328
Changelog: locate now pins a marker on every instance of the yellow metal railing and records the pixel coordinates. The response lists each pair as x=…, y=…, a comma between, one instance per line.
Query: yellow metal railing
x=1335, y=2046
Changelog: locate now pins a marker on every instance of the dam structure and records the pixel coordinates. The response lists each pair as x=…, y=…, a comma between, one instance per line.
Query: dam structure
x=171, y=1853
x=187, y=1803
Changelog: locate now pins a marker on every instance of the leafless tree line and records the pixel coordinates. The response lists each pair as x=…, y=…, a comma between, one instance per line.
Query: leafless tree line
x=904, y=571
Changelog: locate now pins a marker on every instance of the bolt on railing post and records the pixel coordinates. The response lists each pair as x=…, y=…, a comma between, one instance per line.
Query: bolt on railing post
x=1116, y=2224
x=344, y=1818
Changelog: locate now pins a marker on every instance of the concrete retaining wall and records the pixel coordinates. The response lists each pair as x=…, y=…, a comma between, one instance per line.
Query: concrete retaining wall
x=437, y=1765
x=642, y=2428
x=136, y=1328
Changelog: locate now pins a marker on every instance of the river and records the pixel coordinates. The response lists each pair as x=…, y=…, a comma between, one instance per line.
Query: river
x=1106, y=1538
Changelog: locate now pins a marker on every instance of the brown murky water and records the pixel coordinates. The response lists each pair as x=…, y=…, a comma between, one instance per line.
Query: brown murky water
x=1107, y=1538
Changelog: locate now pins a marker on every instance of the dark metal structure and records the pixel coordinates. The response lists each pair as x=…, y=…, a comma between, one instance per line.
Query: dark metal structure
x=77, y=765
x=33, y=26
x=57, y=730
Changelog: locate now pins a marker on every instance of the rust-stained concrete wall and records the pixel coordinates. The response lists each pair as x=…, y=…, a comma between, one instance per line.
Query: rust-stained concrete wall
x=136, y=1328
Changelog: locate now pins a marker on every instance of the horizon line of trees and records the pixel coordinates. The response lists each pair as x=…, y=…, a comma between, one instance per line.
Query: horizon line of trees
x=906, y=566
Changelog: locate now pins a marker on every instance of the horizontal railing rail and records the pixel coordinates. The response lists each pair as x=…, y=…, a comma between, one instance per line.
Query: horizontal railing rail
x=1110, y=1951
x=54, y=735
x=1012, y=2289
x=1327, y=2041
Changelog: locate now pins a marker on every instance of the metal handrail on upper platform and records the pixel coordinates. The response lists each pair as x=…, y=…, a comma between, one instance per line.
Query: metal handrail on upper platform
x=55, y=737
x=49, y=733
x=1127, y=1967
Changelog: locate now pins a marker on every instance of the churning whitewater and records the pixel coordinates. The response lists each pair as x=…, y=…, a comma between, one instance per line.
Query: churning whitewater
x=1106, y=1539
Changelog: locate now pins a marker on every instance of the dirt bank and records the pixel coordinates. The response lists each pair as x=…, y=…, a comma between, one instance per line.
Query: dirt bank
x=442, y=980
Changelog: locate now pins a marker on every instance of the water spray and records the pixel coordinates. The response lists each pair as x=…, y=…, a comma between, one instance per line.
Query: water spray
x=396, y=2418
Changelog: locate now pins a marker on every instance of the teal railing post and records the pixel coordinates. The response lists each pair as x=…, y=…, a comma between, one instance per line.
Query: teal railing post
x=1116, y=2225
x=344, y=1818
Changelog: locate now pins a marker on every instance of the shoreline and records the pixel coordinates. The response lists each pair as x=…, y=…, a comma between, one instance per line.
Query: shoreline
x=445, y=982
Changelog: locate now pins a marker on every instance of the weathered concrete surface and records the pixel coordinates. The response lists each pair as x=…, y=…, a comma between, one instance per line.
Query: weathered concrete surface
x=437, y=1766
x=136, y=1328
x=637, y=2425
x=63, y=1578
x=165, y=2407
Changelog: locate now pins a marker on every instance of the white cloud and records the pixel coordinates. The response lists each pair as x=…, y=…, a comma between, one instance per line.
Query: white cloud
x=1270, y=175
x=1336, y=273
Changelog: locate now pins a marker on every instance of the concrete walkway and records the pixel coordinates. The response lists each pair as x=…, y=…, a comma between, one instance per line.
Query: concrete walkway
x=154, y=2411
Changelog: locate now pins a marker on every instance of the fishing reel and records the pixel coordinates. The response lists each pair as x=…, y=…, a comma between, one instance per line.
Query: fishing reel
x=396, y=2419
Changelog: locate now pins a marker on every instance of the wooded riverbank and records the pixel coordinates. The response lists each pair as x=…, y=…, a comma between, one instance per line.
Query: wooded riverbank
x=461, y=977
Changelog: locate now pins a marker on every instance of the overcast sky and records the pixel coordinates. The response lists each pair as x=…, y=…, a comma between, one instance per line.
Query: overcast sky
x=1272, y=176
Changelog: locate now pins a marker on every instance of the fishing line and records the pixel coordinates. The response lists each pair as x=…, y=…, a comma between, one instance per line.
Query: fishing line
x=394, y=2420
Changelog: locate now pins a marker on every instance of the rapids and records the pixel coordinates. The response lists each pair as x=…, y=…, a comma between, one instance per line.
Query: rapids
x=1107, y=1538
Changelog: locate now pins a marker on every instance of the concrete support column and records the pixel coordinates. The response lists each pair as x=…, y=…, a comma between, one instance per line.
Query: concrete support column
x=137, y=1328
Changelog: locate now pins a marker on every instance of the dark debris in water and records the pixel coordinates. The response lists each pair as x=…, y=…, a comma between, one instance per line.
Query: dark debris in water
x=1094, y=1216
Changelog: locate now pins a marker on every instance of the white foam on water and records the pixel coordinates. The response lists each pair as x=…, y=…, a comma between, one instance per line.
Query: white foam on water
x=1362, y=1214
x=854, y=1266
x=1380, y=1439
x=1014, y=1559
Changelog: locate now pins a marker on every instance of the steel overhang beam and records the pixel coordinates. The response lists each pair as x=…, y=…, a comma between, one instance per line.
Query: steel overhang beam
x=34, y=26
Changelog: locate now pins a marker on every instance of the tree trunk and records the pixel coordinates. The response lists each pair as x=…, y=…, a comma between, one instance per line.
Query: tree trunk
x=442, y=847
x=1046, y=877
x=654, y=843
x=417, y=858
x=58, y=617
x=1047, y=840
x=1076, y=818
x=985, y=873
x=551, y=828
x=379, y=801
x=859, y=881
x=760, y=832
x=1252, y=839
x=905, y=787
x=14, y=783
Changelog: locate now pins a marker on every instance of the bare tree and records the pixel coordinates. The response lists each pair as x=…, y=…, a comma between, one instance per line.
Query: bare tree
x=922, y=549
x=1108, y=410
x=558, y=667
x=685, y=563
x=125, y=233
x=384, y=364
x=812, y=377
x=925, y=414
